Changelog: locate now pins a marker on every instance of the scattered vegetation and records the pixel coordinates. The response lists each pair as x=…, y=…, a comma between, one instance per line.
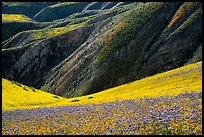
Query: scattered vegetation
x=190, y=20
x=47, y=32
x=90, y=97
x=16, y=83
x=125, y=30
x=76, y=100
x=55, y=96
x=25, y=88
x=33, y=89
x=18, y=97
x=183, y=10
x=51, y=32
x=16, y=38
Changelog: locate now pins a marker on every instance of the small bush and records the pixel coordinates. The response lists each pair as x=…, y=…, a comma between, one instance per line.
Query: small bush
x=25, y=88
x=76, y=100
x=33, y=89
x=56, y=97
x=90, y=97
x=16, y=83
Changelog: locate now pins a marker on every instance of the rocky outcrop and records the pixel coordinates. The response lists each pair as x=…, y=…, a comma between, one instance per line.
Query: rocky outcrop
x=40, y=56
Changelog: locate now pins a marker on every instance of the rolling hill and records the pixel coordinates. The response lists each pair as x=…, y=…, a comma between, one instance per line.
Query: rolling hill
x=24, y=7
x=16, y=23
x=170, y=83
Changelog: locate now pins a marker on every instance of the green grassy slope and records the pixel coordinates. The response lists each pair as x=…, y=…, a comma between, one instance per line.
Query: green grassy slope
x=126, y=29
x=131, y=23
x=37, y=34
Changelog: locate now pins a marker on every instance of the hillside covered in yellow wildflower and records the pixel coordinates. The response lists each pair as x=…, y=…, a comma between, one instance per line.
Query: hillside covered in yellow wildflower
x=174, y=82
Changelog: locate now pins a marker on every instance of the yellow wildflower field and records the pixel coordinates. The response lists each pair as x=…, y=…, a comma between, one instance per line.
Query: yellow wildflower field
x=184, y=79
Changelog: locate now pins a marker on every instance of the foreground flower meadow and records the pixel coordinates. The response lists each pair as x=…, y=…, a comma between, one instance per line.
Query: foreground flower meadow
x=181, y=114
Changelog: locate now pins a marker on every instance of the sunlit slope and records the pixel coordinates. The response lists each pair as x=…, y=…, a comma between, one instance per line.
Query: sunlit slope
x=15, y=18
x=184, y=79
x=15, y=95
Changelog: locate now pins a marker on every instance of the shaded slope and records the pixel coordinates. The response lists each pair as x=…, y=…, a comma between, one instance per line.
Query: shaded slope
x=40, y=56
x=60, y=11
x=135, y=42
x=88, y=75
x=28, y=51
x=24, y=7
x=15, y=23
x=65, y=9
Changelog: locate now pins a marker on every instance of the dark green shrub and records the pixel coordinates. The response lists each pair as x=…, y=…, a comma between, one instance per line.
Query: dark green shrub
x=90, y=97
x=25, y=89
x=33, y=89
x=56, y=97
x=76, y=100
